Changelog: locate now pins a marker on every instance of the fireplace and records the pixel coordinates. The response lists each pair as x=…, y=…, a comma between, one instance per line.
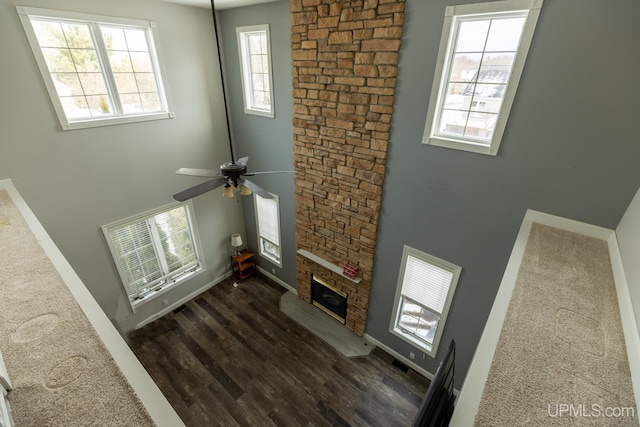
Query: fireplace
x=330, y=300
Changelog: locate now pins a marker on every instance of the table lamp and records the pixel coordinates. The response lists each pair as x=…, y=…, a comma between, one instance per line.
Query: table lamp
x=236, y=242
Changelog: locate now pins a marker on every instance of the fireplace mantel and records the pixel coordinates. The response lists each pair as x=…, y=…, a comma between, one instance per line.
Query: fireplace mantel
x=326, y=264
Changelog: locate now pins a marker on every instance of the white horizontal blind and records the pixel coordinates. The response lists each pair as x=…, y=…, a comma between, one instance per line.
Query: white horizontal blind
x=426, y=284
x=268, y=219
x=137, y=255
x=153, y=251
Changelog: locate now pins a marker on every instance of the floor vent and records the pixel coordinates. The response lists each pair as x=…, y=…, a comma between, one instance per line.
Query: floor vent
x=179, y=309
x=398, y=364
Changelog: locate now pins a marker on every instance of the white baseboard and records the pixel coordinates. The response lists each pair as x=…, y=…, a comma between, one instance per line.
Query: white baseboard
x=627, y=316
x=150, y=395
x=473, y=386
x=278, y=280
x=181, y=301
x=569, y=225
x=400, y=357
x=471, y=393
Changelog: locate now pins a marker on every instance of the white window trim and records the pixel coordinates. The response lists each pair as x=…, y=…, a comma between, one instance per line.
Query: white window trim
x=24, y=14
x=279, y=244
x=106, y=229
x=246, y=73
x=441, y=72
x=432, y=349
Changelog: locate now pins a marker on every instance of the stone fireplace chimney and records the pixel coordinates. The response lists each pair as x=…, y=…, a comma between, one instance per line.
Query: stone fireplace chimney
x=345, y=61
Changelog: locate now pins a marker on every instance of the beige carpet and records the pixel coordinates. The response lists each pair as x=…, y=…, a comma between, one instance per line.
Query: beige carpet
x=61, y=372
x=561, y=357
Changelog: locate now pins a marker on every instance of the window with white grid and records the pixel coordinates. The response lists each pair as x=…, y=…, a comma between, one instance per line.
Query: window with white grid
x=255, y=63
x=98, y=70
x=154, y=251
x=426, y=285
x=268, y=225
x=482, y=54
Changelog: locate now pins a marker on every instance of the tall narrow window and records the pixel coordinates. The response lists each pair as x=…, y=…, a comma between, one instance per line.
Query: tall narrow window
x=482, y=54
x=98, y=70
x=268, y=224
x=154, y=251
x=255, y=63
x=426, y=285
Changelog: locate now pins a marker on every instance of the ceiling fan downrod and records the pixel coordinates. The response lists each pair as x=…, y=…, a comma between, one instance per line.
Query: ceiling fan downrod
x=224, y=92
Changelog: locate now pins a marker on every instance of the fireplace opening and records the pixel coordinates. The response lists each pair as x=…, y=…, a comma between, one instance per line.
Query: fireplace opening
x=330, y=300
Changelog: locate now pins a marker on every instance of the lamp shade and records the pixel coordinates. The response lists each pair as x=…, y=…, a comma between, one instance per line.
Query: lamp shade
x=227, y=191
x=236, y=240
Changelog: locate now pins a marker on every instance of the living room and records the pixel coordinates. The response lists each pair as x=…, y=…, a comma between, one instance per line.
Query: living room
x=574, y=99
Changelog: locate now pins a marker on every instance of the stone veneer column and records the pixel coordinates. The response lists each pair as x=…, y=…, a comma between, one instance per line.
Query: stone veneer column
x=344, y=57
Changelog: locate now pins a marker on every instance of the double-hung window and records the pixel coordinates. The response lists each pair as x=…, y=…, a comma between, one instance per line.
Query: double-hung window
x=481, y=58
x=268, y=225
x=154, y=251
x=426, y=285
x=255, y=63
x=98, y=70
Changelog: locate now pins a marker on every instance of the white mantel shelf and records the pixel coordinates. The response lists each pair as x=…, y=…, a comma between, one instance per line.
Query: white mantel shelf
x=326, y=264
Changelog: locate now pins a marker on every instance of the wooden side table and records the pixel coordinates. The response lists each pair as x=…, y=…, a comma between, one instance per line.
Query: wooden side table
x=243, y=265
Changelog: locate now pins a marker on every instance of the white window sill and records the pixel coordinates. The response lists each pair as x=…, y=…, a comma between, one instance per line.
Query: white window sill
x=271, y=259
x=92, y=123
x=257, y=112
x=470, y=146
x=420, y=345
x=135, y=304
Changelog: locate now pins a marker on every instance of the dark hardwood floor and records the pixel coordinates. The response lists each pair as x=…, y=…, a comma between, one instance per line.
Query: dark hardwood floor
x=231, y=357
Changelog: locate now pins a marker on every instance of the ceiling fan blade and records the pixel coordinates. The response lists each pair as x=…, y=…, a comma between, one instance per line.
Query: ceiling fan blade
x=242, y=161
x=263, y=173
x=255, y=188
x=207, y=173
x=199, y=189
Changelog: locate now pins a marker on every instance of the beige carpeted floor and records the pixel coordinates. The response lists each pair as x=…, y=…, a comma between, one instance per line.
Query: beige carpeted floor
x=561, y=357
x=61, y=372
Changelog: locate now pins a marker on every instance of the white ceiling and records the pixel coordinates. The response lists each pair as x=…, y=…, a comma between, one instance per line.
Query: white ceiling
x=220, y=4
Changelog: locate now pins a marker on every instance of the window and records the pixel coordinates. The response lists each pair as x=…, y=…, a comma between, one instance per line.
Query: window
x=426, y=285
x=268, y=224
x=154, y=251
x=98, y=70
x=255, y=65
x=482, y=54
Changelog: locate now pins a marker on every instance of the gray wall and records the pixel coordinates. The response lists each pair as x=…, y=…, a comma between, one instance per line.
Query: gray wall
x=267, y=141
x=76, y=181
x=570, y=149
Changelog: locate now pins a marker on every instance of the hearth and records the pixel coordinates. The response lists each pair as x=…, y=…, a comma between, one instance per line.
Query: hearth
x=330, y=300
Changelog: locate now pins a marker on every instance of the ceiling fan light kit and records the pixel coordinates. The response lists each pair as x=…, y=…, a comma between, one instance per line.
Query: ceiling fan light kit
x=231, y=174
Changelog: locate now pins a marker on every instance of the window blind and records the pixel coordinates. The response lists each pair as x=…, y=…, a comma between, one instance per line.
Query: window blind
x=426, y=284
x=268, y=223
x=153, y=251
x=137, y=255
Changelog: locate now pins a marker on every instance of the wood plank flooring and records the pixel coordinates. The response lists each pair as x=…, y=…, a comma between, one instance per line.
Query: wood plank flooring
x=230, y=357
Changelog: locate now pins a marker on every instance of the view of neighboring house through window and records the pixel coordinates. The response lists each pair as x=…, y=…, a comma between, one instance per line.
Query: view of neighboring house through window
x=482, y=54
x=268, y=225
x=255, y=64
x=98, y=70
x=154, y=251
x=426, y=285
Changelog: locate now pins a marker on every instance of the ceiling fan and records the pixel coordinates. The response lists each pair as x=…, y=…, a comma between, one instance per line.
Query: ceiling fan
x=232, y=174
